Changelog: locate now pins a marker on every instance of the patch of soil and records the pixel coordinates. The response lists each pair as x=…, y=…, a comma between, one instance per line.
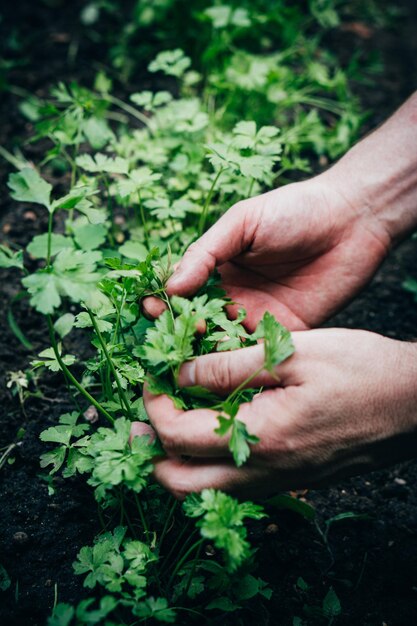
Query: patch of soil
x=371, y=562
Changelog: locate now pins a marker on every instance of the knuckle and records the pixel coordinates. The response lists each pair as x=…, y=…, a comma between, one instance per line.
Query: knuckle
x=177, y=486
x=168, y=439
x=215, y=373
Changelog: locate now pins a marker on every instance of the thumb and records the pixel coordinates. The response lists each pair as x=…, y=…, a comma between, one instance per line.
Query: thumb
x=227, y=238
x=222, y=372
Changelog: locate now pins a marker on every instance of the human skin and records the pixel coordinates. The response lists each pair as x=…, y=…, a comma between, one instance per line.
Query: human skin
x=347, y=400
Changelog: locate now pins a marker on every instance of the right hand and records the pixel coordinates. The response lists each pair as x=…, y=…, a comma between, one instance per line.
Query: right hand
x=300, y=252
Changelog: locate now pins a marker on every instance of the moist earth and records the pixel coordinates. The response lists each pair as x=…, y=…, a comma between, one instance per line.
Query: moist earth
x=371, y=562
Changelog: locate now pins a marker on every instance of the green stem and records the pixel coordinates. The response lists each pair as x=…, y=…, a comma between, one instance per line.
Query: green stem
x=119, y=310
x=252, y=182
x=175, y=544
x=244, y=383
x=141, y=514
x=8, y=156
x=144, y=223
x=71, y=377
x=120, y=389
x=181, y=562
x=126, y=107
x=167, y=521
x=111, y=232
x=204, y=212
x=192, y=571
x=49, y=248
x=5, y=454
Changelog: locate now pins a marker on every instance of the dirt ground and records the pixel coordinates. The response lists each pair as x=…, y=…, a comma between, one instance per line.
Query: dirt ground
x=371, y=563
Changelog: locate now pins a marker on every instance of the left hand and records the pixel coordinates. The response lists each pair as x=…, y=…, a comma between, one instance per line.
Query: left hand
x=346, y=403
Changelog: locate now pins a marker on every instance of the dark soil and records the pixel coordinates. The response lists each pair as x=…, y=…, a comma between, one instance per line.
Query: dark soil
x=371, y=563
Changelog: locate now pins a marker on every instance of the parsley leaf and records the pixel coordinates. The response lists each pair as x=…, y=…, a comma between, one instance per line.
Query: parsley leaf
x=278, y=344
x=28, y=186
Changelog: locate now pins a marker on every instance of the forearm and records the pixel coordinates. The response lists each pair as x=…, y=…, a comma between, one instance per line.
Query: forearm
x=378, y=176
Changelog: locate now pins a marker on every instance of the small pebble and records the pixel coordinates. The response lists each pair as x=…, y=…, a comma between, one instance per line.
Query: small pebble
x=271, y=529
x=91, y=414
x=210, y=551
x=30, y=216
x=400, y=481
x=20, y=538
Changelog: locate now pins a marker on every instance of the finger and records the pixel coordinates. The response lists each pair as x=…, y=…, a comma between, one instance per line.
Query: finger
x=153, y=307
x=185, y=432
x=222, y=372
x=192, y=433
x=224, y=240
x=138, y=429
x=184, y=477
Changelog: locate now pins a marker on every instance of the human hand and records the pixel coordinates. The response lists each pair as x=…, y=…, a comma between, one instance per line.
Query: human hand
x=300, y=252
x=347, y=403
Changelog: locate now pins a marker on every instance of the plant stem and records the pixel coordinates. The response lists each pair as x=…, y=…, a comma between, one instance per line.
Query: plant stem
x=181, y=562
x=192, y=571
x=244, y=383
x=126, y=107
x=8, y=156
x=49, y=248
x=5, y=454
x=167, y=521
x=144, y=223
x=204, y=212
x=141, y=514
x=120, y=389
x=71, y=377
x=176, y=542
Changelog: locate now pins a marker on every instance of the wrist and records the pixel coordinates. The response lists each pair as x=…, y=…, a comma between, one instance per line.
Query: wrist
x=403, y=385
x=378, y=176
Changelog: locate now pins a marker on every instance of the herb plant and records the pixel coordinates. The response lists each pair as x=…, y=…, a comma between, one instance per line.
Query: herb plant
x=144, y=178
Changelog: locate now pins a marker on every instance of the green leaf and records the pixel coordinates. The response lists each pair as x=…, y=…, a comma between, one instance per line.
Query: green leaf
x=102, y=164
x=331, y=604
x=222, y=522
x=64, y=324
x=239, y=442
x=301, y=584
x=38, y=247
x=62, y=615
x=55, y=458
x=410, y=284
x=157, y=608
x=97, y=132
x=289, y=503
x=134, y=250
x=171, y=63
x=88, y=236
x=73, y=275
x=9, y=259
x=5, y=581
x=47, y=358
x=28, y=186
x=278, y=344
x=95, y=616
x=349, y=515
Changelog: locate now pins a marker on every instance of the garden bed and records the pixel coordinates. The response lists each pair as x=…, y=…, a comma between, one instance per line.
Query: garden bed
x=370, y=562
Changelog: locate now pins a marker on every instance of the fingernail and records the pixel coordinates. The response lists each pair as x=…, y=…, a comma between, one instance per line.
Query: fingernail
x=187, y=374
